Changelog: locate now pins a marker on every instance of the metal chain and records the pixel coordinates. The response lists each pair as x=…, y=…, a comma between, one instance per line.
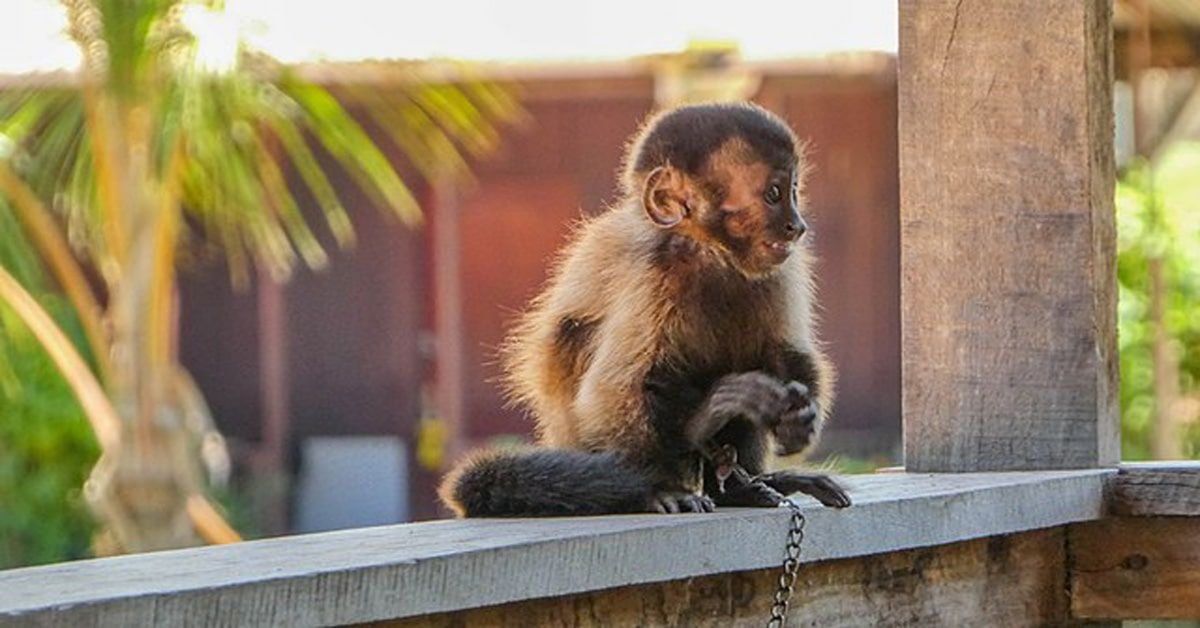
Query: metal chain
x=791, y=566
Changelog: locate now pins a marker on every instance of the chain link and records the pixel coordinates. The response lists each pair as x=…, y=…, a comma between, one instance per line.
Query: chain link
x=791, y=566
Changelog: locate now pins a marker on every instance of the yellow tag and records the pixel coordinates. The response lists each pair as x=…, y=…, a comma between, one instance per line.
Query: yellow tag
x=431, y=443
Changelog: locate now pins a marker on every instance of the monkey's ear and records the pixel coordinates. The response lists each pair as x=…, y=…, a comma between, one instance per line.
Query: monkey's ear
x=665, y=196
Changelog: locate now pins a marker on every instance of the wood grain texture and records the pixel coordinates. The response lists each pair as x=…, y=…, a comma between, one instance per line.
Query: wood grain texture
x=1156, y=489
x=417, y=569
x=1015, y=580
x=1135, y=568
x=1007, y=236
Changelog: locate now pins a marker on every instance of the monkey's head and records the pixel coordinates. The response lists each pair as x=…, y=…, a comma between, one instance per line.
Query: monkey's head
x=728, y=177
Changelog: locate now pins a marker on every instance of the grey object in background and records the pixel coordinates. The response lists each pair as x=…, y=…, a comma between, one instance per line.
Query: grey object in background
x=351, y=482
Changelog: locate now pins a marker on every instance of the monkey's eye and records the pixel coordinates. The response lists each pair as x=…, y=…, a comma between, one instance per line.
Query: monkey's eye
x=774, y=194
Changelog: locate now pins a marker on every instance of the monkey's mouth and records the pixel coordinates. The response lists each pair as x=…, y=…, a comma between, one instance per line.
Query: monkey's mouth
x=778, y=250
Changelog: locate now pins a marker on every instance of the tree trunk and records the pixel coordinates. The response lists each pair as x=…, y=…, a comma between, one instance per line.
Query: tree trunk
x=141, y=489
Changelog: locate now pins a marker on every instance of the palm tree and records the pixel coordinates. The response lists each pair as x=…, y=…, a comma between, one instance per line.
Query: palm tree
x=145, y=152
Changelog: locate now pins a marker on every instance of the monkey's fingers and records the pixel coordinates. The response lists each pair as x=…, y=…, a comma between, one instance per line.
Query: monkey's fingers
x=672, y=502
x=822, y=487
x=797, y=429
x=702, y=503
x=797, y=394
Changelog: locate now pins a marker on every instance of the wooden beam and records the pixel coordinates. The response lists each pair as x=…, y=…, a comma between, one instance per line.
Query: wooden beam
x=417, y=569
x=1013, y=580
x=1135, y=568
x=1156, y=489
x=1008, y=297
x=273, y=374
x=448, y=325
x=267, y=487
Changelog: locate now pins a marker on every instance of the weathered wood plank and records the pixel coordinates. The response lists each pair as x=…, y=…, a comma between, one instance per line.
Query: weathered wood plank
x=1156, y=489
x=417, y=569
x=1008, y=294
x=1135, y=568
x=1016, y=580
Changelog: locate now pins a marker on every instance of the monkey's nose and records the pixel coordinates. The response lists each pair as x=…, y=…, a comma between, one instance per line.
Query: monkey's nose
x=795, y=228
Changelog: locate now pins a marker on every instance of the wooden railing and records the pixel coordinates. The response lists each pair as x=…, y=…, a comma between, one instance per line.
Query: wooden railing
x=1019, y=515
x=948, y=547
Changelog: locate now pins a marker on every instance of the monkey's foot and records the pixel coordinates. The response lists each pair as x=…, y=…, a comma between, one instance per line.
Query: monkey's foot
x=755, y=494
x=674, y=502
x=798, y=425
x=817, y=485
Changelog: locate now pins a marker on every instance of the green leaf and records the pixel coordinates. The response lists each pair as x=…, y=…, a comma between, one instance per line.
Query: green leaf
x=301, y=156
x=342, y=136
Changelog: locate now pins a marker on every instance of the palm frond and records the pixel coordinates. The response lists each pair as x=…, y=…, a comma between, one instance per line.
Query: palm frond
x=343, y=137
x=293, y=145
x=100, y=411
x=279, y=200
x=458, y=116
x=43, y=234
x=413, y=131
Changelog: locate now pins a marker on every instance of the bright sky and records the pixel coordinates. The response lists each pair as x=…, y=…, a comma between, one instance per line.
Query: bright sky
x=307, y=30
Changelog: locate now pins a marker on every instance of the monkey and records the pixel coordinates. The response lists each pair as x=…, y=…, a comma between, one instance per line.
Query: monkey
x=674, y=341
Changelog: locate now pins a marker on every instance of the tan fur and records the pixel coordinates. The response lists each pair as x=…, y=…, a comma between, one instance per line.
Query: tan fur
x=577, y=399
x=592, y=399
x=664, y=277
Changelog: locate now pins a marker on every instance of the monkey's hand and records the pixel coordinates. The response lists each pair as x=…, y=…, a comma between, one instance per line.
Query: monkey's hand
x=798, y=422
x=771, y=489
x=817, y=485
x=754, y=493
x=754, y=396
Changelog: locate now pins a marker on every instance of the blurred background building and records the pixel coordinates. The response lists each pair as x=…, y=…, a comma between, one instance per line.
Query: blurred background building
x=345, y=393
x=398, y=336
x=385, y=360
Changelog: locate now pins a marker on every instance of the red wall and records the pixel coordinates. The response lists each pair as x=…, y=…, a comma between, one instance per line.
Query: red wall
x=563, y=166
x=354, y=356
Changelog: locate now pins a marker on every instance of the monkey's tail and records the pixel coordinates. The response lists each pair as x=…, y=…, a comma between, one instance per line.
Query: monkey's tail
x=545, y=483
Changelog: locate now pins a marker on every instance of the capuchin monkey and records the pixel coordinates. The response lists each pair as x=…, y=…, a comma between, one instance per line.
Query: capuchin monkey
x=674, y=342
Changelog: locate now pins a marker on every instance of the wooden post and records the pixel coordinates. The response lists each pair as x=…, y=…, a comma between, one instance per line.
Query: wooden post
x=448, y=315
x=1008, y=297
x=269, y=484
x=273, y=377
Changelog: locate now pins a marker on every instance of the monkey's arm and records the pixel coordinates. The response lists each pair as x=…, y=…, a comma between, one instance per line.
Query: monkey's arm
x=755, y=396
x=810, y=378
x=787, y=403
x=791, y=402
x=729, y=428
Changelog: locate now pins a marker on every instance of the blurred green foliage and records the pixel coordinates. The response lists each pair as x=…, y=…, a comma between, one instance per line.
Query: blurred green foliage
x=46, y=452
x=157, y=152
x=1158, y=216
x=46, y=444
x=849, y=465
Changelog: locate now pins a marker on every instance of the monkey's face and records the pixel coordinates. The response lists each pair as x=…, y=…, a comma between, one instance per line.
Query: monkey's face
x=743, y=210
x=755, y=214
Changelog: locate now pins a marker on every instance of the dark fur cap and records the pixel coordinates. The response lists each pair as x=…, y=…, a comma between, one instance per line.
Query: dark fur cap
x=684, y=138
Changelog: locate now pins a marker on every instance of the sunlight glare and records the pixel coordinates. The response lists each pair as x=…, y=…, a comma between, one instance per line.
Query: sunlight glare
x=217, y=37
x=487, y=30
